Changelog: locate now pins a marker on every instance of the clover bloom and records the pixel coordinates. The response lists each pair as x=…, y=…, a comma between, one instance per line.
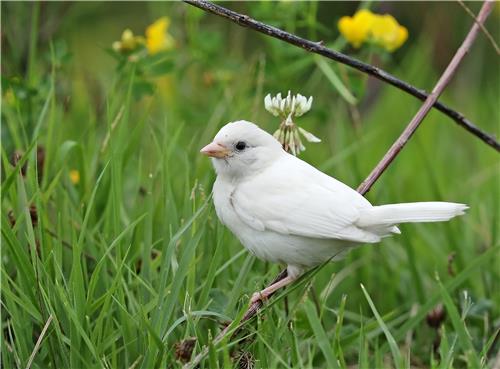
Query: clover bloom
x=157, y=37
x=291, y=105
x=287, y=108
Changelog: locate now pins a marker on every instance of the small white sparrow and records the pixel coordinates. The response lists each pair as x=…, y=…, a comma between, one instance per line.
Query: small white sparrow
x=285, y=211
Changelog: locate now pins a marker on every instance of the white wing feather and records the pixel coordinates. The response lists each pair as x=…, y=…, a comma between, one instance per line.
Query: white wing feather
x=295, y=198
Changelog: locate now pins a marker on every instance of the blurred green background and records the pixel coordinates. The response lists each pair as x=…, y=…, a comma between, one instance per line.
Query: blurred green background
x=108, y=232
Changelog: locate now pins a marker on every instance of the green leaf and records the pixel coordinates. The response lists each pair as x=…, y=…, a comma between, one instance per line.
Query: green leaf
x=320, y=335
x=10, y=179
x=142, y=88
x=335, y=80
x=160, y=68
x=396, y=354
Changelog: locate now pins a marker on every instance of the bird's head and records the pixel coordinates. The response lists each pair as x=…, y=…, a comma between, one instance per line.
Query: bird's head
x=241, y=148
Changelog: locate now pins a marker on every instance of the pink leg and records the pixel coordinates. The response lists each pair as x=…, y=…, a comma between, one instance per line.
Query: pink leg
x=264, y=294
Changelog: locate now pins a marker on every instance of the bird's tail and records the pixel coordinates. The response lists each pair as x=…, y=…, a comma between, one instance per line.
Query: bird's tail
x=379, y=217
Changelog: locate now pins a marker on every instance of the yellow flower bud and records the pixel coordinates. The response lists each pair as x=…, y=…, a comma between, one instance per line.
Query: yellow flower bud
x=157, y=37
x=128, y=40
x=74, y=176
x=117, y=46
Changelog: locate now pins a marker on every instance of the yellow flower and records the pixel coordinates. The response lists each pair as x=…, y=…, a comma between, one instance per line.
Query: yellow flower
x=157, y=37
x=356, y=29
x=74, y=176
x=387, y=32
x=383, y=30
x=128, y=42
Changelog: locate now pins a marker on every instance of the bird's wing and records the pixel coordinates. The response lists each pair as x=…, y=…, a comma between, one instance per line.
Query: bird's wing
x=292, y=197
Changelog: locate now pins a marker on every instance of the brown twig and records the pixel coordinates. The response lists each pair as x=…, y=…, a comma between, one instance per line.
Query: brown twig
x=319, y=48
x=386, y=160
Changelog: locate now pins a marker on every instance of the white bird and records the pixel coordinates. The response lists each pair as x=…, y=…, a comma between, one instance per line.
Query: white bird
x=286, y=211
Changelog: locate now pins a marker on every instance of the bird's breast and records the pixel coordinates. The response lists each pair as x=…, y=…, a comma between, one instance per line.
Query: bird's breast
x=224, y=203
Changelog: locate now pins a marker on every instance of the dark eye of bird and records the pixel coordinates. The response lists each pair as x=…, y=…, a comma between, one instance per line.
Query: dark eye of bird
x=240, y=145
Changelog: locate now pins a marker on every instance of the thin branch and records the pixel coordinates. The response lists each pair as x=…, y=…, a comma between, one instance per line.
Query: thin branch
x=483, y=28
x=431, y=99
x=319, y=48
x=381, y=166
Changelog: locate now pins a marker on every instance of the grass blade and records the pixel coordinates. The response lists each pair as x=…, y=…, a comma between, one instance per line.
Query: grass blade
x=320, y=335
x=464, y=339
x=396, y=354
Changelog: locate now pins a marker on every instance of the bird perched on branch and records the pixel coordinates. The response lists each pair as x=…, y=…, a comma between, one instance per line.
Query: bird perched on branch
x=286, y=211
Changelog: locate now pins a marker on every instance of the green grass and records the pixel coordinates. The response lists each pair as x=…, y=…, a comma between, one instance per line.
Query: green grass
x=132, y=260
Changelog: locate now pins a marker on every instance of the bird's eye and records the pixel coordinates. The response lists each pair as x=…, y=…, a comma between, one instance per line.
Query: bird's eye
x=240, y=145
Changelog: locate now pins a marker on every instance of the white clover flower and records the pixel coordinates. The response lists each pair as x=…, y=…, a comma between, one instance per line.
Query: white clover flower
x=273, y=104
x=287, y=108
x=309, y=136
x=295, y=105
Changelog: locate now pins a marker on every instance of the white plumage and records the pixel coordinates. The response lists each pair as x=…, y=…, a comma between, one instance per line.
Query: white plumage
x=286, y=211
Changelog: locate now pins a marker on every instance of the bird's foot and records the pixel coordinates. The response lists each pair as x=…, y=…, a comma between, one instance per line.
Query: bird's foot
x=269, y=290
x=258, y=296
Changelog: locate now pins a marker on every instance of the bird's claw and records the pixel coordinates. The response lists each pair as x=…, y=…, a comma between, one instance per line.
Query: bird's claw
x=258, y=296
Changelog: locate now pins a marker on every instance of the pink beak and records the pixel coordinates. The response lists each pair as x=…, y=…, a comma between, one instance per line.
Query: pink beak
x=215, y=150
